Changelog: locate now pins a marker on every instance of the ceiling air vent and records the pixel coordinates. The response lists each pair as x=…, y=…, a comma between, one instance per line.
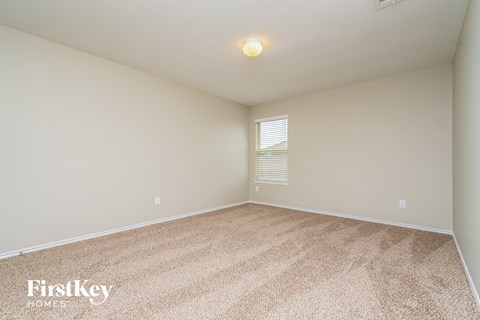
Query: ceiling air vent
x=384, y=3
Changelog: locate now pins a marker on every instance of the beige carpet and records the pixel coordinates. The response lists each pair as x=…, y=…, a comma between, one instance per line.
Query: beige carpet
x=250, y=262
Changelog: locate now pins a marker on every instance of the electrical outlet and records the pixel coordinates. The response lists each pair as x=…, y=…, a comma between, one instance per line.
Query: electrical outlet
x=257, y=188
x=403, y=204
x=157, y=201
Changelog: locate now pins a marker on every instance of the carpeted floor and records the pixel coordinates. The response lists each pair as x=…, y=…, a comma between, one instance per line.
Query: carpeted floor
x=250, y=262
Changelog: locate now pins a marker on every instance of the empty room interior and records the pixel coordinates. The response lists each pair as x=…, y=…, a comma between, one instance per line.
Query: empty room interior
x=227, y=159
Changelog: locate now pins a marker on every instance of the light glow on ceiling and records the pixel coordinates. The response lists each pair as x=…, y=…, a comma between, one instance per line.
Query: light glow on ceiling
x=252, y=47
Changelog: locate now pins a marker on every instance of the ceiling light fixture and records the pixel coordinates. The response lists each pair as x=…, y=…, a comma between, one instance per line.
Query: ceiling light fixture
x=252, y=47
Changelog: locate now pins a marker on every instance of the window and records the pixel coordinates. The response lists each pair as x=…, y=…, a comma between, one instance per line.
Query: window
x=272, y=150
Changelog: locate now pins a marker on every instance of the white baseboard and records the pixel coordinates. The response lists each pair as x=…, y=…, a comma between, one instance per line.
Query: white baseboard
x=107, y=232
x=348, y=216
x=467, y=274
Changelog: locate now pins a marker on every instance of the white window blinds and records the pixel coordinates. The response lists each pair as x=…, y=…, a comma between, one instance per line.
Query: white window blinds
x=272, y=149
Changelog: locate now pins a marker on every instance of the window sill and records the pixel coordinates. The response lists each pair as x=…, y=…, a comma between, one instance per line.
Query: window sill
x=281, y=182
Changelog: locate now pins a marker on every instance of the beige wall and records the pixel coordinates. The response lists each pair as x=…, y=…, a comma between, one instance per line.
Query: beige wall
x=466, y=142
x=86, y=145
x=360, y=149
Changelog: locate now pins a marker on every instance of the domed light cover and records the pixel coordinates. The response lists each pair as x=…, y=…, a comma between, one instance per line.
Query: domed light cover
x=252, y=47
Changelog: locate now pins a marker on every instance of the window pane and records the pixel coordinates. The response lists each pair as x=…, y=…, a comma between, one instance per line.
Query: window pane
x=272, y=165
x=272, y=154
x=273, y=134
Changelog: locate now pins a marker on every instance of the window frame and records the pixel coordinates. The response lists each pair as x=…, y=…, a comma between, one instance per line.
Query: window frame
x=257, y=149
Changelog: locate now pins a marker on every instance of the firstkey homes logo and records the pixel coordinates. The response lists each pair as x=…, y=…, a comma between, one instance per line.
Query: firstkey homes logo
x=50, y=295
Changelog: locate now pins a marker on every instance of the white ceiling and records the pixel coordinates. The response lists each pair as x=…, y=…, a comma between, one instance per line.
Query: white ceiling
x=310, y=45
